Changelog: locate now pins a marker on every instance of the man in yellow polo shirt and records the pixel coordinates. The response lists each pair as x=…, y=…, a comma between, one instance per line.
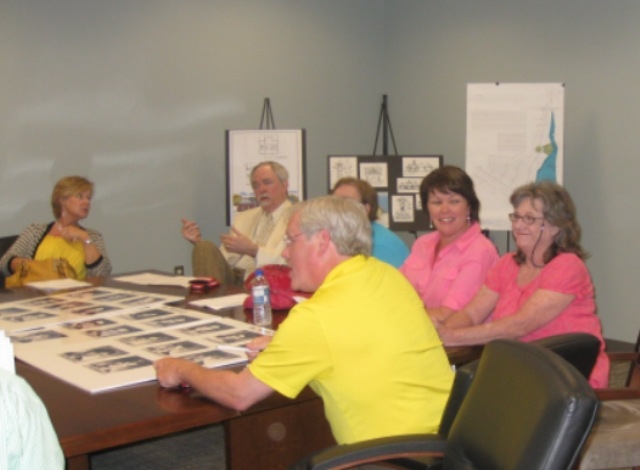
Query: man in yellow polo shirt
x=363, y=341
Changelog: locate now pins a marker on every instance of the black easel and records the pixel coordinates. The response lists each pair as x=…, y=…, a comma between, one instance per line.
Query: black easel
x=267, y=115
x=384, y=123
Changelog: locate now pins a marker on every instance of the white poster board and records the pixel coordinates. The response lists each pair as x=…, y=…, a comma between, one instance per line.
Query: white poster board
x=247, y=148
x=514, y=136
x=105, y=338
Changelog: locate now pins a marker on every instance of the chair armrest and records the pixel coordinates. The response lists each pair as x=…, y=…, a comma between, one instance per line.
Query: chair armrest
x=376, y=450
x=606, y=394
x=633, y=358
x=623, y=356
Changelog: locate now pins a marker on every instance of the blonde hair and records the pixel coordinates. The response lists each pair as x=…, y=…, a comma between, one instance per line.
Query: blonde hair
x=68, y=186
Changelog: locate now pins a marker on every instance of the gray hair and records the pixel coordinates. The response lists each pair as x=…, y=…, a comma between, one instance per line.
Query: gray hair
x=280, y=171
x=345, y=219
x=559, y=210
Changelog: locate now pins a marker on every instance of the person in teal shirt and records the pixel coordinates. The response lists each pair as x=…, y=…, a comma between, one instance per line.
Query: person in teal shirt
x=387, y=246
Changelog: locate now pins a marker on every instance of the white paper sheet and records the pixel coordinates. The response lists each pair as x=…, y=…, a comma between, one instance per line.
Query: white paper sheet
x=100, y=353
x=219, y=303
x=152, y=279
x=57, y=284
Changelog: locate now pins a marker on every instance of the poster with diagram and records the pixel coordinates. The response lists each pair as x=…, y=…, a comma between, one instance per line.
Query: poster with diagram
x=514, y=136
x=117, y=347
x=246, y=148
x=397, y=181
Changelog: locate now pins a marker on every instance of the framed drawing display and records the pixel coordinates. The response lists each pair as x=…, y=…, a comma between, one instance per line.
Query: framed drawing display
x=397, y=180
x=246, y=148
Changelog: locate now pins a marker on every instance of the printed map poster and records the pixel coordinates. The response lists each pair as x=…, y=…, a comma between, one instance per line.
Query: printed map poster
x=514, y=136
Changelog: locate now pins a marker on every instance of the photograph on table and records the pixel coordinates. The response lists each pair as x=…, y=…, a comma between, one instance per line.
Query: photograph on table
x=113, y=351
x=67, y=307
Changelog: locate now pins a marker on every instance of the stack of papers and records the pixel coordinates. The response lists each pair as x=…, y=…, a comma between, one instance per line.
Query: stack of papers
x=151, y=279
x=58, y=284
x=218, y=303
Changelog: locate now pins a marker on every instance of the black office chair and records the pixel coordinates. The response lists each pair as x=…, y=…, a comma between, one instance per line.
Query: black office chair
x=5, y=244
x=527, y=408
x=578, y=349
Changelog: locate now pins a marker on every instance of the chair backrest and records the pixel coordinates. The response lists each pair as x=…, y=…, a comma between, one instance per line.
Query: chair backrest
x=527, y=408
x=6, y=242
x=461, y=385
x=633, y=378
x=578, y=349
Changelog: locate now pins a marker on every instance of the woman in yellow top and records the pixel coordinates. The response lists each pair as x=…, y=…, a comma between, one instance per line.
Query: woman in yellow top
x=82, y=247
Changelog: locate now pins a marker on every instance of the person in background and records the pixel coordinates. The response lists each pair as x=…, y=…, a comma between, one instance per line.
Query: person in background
x=27, y=438
x=256, y=234
x=362, y=341
x=447, y=266
x=387, y=246
x=542, y=289
x=83, y=248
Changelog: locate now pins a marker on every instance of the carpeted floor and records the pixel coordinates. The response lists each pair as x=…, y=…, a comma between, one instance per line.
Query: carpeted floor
x=200, y=449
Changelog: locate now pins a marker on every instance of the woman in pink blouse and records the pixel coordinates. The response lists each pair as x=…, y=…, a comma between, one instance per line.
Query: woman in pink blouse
x=542, y=289
x=448, y=265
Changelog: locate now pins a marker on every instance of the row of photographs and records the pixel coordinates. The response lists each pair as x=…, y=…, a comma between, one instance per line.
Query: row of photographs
x=111, y=350
x=69, y=306
x=400, y=206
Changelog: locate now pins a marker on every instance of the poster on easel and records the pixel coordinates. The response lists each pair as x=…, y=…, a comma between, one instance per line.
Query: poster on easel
x=246, y=148
x=514, y=136
x=397, y=181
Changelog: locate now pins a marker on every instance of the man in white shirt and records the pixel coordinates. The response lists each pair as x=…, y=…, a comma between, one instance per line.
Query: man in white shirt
x=256, y=235
x=27, y=438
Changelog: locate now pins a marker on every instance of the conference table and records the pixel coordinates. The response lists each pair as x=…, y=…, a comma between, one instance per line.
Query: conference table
x=272, y=434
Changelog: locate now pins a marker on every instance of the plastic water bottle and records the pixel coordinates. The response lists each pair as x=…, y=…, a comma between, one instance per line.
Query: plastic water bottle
x=261, y=295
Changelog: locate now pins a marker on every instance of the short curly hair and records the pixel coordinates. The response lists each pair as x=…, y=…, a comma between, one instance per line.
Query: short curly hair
x=559, y=210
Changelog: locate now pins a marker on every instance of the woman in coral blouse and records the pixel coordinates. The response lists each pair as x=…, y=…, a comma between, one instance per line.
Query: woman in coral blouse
x=448, y=266
x=542, y=289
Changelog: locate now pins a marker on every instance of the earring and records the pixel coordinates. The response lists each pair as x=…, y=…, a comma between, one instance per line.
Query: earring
x=468, y=220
